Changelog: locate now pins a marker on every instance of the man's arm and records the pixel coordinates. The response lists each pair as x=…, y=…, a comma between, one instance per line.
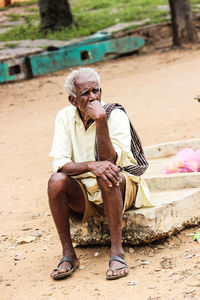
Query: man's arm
x=104, y=169
x=105, y=147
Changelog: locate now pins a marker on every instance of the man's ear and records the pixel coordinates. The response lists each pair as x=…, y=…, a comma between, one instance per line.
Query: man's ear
x=72, y=100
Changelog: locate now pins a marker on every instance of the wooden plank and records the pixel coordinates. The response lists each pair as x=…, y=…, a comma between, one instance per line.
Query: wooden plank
x=73, y=56
x=96, y=48
x=95, y=38
x=4, y=73
x=13, y=69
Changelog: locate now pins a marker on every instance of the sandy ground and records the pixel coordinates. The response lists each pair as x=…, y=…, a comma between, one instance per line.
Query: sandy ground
x=157, y=90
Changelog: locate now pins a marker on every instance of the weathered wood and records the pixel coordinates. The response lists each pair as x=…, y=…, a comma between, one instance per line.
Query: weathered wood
x=55, y=15
x=183, y=27
x=82, y=54
x=95, y=48
x=15, y=69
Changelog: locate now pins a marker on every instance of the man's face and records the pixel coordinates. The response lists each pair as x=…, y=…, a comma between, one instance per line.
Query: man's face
x=87, y=90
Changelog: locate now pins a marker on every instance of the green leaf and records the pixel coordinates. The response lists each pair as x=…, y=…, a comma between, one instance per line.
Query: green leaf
x=196, y=236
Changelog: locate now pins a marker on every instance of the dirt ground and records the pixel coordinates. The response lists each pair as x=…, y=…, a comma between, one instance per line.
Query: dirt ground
x=158, y=92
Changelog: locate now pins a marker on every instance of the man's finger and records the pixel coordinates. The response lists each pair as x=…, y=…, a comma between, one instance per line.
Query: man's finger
x=115, y=168
x=115, y=176
x=112, y=179
x=106, y=179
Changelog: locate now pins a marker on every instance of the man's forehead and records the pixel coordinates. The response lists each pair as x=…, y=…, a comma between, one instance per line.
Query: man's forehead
x=84, y=80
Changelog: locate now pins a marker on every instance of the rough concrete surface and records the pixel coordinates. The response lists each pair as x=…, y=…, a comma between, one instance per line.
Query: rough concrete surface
x=173, y=210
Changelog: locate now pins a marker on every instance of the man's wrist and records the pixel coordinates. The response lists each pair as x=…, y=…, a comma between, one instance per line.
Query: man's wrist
x=101, y=118
x=89, y=165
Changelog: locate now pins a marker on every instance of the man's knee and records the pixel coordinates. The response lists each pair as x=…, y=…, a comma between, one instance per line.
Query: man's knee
x=57, y=183
x=102, y=184
x=105, y=188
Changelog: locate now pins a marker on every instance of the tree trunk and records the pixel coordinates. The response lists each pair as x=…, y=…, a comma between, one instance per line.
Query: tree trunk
x=183, y=27
x=7, y=2
x=55, y=14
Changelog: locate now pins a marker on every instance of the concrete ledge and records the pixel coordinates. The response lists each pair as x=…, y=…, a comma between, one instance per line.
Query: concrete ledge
x=169, y=149
x=173, y=211
x=173, y=181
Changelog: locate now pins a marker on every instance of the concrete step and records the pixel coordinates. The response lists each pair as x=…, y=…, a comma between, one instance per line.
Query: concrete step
x=169, y=149
x=156, y=166
x=173, y=181
x=173, y=210
x=157, y=180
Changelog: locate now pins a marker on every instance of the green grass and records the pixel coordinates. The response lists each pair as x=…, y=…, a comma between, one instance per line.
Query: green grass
x=11, y=45
x=14, y=17
x=4, y=8
x=25, y=3
x=32, y=9
x=90, y=16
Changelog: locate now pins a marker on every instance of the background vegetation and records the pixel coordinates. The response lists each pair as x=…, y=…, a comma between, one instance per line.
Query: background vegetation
x=90, y=16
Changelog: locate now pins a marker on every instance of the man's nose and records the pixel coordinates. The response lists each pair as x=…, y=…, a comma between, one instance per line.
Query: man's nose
x=92, y=96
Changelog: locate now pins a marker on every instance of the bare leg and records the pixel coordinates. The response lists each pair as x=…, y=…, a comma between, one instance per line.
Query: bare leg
x=113, y=206
x=64, y=192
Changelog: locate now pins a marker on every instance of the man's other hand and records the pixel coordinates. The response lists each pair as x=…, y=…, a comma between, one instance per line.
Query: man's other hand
x=107, y=171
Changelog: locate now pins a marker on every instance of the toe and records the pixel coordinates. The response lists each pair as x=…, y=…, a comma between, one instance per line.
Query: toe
x=53, y=273
x=57, y=271
x=62, y=271
x=109, y=273
x=126, y=271
x=120, y=272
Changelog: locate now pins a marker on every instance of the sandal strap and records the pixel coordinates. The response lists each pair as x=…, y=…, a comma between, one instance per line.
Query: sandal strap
x=66, y=259
x=119, y=259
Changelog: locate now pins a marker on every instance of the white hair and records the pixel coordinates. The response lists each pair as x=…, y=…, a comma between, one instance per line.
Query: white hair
x=71, y=78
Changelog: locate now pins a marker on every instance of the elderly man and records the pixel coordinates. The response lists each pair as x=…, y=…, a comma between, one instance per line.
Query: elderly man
x=96, y=170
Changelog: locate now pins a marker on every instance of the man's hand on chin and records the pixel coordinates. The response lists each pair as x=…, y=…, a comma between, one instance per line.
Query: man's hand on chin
x=95, y=110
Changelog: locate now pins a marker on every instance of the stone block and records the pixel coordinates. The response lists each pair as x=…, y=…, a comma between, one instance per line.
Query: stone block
x=173, y=211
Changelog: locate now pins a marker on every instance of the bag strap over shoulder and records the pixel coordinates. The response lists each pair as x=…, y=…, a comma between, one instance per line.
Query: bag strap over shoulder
x=136, y=147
